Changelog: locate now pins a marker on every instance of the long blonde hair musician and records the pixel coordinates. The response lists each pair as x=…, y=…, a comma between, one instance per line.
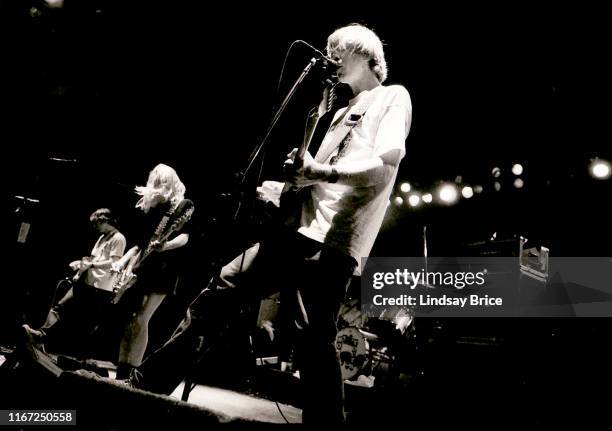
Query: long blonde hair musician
x=163, y=185
x=162, y=195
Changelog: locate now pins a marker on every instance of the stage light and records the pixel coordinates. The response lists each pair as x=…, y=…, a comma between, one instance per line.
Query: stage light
x=517, y=169
x=398, y=201
x=405, y=187
x=414, y=200
x=497, y=186
x=600, y=169
x=478, y=189
x=519, y=183
x=55, y=4
x=427, y=198
x=448, y=193
x=467, y=192
x=496, y=172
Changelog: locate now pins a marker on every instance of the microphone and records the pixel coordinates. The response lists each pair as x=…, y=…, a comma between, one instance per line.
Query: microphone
x=327, y=61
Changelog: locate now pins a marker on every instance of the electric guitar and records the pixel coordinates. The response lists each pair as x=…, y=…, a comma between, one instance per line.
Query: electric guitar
x=289, y=197
x=127, y=276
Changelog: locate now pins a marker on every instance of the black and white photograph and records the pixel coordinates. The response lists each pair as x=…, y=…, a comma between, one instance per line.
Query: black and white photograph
x=354, y=215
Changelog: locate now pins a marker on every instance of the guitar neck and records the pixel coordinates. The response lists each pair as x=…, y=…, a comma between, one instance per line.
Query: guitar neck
x=313, y=120
x=176, y=226
x=314, y=115
x=150, y=249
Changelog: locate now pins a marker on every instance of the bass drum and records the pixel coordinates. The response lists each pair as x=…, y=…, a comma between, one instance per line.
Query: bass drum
x=354, y=352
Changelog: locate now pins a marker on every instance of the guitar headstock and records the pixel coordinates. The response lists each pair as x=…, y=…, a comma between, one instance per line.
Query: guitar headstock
x=329, y=99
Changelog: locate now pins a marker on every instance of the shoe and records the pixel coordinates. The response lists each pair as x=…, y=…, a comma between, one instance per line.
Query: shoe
x=133, y=381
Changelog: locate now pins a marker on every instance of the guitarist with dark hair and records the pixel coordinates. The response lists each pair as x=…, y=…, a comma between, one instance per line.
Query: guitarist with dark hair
x=152, y=266
x=92, y=283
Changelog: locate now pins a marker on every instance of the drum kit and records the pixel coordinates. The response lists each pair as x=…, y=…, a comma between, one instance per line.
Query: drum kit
x=372, y=349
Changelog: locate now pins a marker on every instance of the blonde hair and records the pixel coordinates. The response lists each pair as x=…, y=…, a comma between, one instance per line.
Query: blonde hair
x=360, y=40
x=163, y=181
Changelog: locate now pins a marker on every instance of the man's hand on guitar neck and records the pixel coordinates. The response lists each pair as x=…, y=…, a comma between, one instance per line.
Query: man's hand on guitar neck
x=311, y=172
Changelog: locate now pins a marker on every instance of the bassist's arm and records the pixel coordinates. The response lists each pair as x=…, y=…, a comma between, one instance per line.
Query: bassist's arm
x=178, y=242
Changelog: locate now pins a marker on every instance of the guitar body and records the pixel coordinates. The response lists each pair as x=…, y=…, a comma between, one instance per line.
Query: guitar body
x=290, y=205
x=126, y=279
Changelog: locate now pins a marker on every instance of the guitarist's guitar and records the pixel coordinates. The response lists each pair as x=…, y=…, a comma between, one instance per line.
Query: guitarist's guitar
x=127, y=276
x=289, y=197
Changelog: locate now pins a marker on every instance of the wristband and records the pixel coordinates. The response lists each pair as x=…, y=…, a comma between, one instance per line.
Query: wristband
x=333, y=177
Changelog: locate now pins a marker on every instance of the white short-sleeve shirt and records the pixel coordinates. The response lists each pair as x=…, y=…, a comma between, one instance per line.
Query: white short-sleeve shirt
x=104, y=249
x=345, y=217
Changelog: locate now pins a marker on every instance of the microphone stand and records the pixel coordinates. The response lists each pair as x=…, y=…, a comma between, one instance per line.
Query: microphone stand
x=242, y=175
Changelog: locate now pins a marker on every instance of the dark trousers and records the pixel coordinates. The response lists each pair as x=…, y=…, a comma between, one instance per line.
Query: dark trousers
x=314, y=275
x=78, y=318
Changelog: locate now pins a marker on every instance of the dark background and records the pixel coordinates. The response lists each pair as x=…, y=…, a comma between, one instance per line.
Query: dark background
x=118, y=89
x=115, y=89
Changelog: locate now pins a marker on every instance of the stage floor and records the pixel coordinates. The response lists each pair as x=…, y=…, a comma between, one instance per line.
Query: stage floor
x=240, y=406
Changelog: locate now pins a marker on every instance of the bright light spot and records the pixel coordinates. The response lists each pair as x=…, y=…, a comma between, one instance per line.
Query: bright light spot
x=496, y=172
x=467, y=192
x=497, y=186
x=398, y=201
x=55, y=4
x=478, y=189
x=427, y=198
x=517, y=169
x=414, y=200
x=448, y=193
x=600, y=169
x=519, y=183
x=405, y=187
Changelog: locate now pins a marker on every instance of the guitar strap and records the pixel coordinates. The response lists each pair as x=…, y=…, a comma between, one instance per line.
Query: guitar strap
x=340, y=133
x=161, y=227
